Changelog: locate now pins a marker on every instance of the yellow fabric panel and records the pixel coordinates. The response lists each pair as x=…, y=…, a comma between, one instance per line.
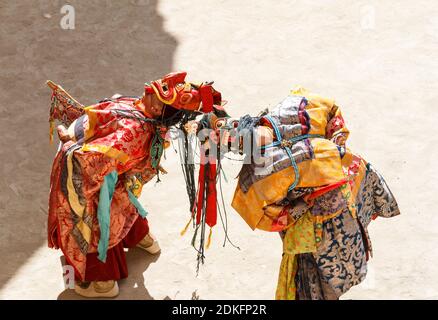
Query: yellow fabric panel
x=85, y=230
x=108, y=151
x=347, y=159
x=269, y=190
x=318, y=120
x=326, y=168
x=92, y=120
x=286, y=289
x=299, y=238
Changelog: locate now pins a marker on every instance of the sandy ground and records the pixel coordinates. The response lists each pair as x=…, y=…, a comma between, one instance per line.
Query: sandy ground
x=377, y=59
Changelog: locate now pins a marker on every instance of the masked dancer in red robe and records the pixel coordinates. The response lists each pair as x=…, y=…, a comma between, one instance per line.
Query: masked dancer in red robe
x=107, y=152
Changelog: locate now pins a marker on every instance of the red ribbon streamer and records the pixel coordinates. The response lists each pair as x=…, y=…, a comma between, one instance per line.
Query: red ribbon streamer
x=207, y=171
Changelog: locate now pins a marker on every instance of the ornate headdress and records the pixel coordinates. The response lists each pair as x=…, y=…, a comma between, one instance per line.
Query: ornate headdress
x=173, y=90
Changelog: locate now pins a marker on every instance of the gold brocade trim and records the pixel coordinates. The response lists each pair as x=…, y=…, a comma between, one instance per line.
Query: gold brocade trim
x=85, y=230
x=73, y=198
x=108, y=151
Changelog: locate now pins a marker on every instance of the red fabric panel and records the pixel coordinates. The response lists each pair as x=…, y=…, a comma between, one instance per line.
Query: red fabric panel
x=115, y=267
x=211, y=216
x=201, y=188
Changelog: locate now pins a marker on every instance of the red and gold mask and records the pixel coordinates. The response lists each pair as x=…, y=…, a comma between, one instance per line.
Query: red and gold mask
x=175, y=91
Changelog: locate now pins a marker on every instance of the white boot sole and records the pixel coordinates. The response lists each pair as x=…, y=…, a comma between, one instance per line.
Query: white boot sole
x=91, y=293
x=153, y=249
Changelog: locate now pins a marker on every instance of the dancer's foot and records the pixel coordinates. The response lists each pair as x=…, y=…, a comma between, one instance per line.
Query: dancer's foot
x=150, y=244
x=97, y=289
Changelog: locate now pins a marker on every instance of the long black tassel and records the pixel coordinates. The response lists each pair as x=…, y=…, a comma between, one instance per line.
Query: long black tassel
x=224, y=218
x=201, y=228
x=186, y=153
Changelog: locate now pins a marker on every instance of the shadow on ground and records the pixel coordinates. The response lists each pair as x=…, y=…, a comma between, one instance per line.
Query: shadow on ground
x=132, y=288
x=115, y=47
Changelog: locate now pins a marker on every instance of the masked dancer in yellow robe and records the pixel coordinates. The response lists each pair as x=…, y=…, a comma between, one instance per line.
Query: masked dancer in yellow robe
x=300, y=179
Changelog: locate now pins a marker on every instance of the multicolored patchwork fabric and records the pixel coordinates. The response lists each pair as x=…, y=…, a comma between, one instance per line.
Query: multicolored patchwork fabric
x=330, y=266
x=324, y=219
x=292, y=120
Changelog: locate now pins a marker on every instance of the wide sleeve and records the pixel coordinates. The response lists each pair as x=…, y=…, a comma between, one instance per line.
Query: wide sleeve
x=278, y=217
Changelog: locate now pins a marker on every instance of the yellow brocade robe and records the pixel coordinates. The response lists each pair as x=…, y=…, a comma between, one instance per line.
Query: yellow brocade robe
x=334, y=183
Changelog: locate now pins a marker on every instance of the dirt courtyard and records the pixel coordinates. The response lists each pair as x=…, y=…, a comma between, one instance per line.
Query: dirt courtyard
x=378, y=59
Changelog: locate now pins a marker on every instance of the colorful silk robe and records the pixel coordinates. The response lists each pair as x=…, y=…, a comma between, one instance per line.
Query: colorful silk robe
x=323, y=217
x=108, y=143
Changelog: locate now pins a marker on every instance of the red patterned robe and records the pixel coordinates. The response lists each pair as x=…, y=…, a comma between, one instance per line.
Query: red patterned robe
x=106, y=139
